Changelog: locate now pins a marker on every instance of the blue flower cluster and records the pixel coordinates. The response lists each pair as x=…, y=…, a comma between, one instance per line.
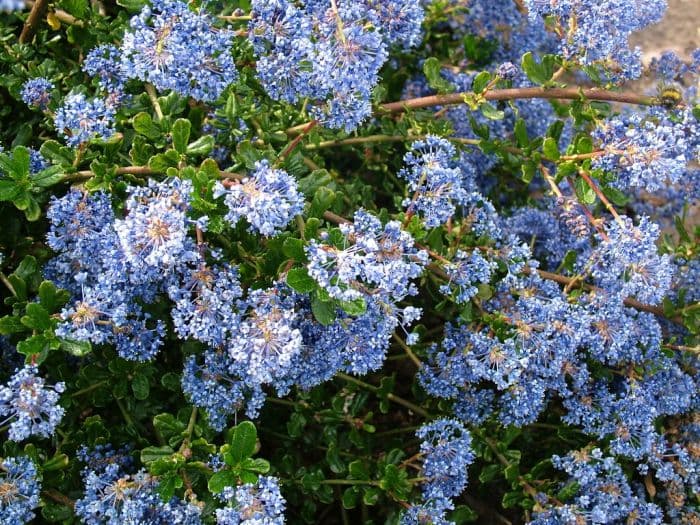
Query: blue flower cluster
x=37, y=92
x=648, y=150
x=177, y=49
x=9, y=6
x=259, y=503
x=114, y=497
x=446, y=452
x=80, y=120
x=268, y=199
x=596, y=33
x=434, y=180
x=19, y=490
x=330, y=53
x=604, y=495
x=30, y=405
x=370, y=259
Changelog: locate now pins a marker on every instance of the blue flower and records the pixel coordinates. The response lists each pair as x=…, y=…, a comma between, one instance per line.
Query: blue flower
x=268, y=199
x=30, y=405
x=37, y=92
x=19, y=490
x=80, y=120
x=259, y=503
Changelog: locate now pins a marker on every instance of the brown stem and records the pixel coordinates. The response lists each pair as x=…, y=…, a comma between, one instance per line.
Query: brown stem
x=572, y=93
x=58, y=497
x=293, y=144
x=32, y=23
x=602, y=197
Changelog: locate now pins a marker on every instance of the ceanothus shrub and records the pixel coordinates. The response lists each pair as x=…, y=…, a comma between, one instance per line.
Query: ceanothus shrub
x=331, y=261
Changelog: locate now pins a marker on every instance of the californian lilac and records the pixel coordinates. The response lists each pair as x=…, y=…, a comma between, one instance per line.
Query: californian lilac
x=597, y=33
x=205, y=303
x=668, y=66
x=268, y=199
x=626, y=263
x=212, y=387
x=30, y=405
x=113, y=497
x=466, y=272
x=80, y=120
x=647, y=150
x=175, y=48
x=434, y=181
x=508, y=71
x=103, y=62
x=153, y=235
x=446, y=451
x=432, y=512
x=329, y=53
x=259, y=503
x=20, y=485
x=374, y=257
x=604, y=495
x=37, y=92
x=266, y=340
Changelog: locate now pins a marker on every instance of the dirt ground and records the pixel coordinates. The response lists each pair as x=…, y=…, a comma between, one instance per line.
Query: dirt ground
x=679, y=31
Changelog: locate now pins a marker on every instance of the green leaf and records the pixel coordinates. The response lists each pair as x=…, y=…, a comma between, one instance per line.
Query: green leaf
x=36, y=318
x=162, y=161
x=202, y=146
x=151, y=454
x=299, y=279
x=181, y=135
x=539, y=73
x=355, y=307
x=313, y=181
x=358, y=470
x=76, y=348
x=32, y=211
x=58, y=462
x=56, y=153
x=350, y=497
x=140, y=387
x=243, y=441
x=370, y=495
x=432, y=69
x=222, y=479
x=489, y=472
x=143, y=123
x=462, y=514
x=170, y=428
x=259, y=465
x=324, y=312
x=490, y=111
x=481, y=81
x=550, y=148
x=77, y=8
x=294, y=249
x=32, y=346
x=583, y=191
x=395, y=481
x=48, y=177
x=323, y=199
x=50, y=297
x=9, y=190
x=511, y=499
x=528, y=172
x=521, y=133
x=11, y=324
x=617, y=197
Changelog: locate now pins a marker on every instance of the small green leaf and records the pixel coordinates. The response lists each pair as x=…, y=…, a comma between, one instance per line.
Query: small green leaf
x=76, y=348
x=9, y=190
x=539, y=73
x=222, y=479
x=36, y=318
x=358, y=470
x=202, y=146
x=140, y=387
x=181, y=135
x=11, y=324
x=550, y=149
x=77, y=8
x=481, y=81
x=432, y=70
x=299, y=279
x=521, y=133
x=491, y=113
x=259, y=465
x=355, y=307
x=50, y=297
x=56, y=153
x=583, y=191
x=323, y=199
x=32, y=346
x=324, y=311
x=150, y=454
x=143, y=124
x=294, y=249
x=350, y=497
x=243, y=441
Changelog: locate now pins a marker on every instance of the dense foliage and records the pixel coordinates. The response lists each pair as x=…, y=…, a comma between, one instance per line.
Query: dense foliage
x=336, y=261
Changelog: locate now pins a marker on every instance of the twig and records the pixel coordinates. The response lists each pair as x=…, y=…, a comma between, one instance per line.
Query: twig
x=153, y=96
x=293, y=144
x=391, y=397
x=32, y=23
